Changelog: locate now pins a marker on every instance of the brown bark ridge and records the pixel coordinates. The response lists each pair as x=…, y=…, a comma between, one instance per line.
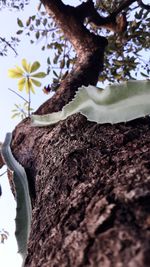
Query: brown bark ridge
x=90, y=183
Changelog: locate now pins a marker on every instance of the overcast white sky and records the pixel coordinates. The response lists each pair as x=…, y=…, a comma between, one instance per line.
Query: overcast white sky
x=31, y=53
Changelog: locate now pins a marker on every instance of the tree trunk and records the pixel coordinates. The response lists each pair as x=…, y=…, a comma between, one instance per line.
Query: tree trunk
x=92, y=185
x=89, y=183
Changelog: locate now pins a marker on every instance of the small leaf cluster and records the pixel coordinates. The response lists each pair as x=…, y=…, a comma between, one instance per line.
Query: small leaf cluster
x=13, y=4
x=21, y=111
x=7, y=45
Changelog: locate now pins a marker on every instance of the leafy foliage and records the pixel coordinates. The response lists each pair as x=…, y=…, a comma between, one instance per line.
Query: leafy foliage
x=13, y=4
x=21, y=110
x=10, y=44
x=124, y=52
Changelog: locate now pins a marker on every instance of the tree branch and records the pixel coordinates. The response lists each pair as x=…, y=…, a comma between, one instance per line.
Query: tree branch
x=8, y=44
x=88, y=46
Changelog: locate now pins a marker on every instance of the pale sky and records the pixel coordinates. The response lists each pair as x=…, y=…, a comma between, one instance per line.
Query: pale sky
x=8, y=256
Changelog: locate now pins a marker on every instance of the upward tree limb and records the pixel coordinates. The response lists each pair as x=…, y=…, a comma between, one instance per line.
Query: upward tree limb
x=88, y=46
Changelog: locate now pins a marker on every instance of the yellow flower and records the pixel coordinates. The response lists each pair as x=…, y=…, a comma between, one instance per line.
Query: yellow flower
x=26, y=74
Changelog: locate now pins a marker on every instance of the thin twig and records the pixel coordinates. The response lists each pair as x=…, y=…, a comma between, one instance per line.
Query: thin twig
x=18, y=95
x=3, y=173
x=7, y=43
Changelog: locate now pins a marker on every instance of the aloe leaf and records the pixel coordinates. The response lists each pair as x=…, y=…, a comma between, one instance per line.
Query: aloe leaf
x=116, y=103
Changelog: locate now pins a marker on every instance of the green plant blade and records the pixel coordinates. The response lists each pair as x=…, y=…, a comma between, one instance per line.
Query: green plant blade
x=39, y=75
x=14, y=73
x=29, y=86
x=23, y=208
x=35, y=66
x=116, y=103
x=25, y=65
x=36, y=83
x=19, y=70
x=21, y=84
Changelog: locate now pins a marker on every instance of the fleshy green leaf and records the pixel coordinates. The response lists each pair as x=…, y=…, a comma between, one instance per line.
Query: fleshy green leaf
x=116, y=103
x=35, y=66
x=39, y=75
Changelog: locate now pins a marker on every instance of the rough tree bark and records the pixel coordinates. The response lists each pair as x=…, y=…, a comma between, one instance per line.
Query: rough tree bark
x=90, y=183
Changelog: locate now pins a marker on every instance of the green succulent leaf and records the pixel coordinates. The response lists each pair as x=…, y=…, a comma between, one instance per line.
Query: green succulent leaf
x=116, y=103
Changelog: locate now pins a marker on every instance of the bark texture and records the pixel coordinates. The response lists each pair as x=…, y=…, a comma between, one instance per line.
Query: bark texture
x=92, y=186
x=89, y=183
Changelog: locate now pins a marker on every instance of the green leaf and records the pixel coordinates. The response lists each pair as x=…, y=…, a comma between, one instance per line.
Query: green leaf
x=13, y=73
x=116, y=103
x=28, y=21
x=21, y=84
x=25, y=65
x=37, y=35
x=15, y=115
x=55, y=73
x=39, y=75
x=20, y=70
x=35, y=82
x=27, y=86
x=19, y=32
x=20, y=24
x=35, y=66
x=143, y=74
